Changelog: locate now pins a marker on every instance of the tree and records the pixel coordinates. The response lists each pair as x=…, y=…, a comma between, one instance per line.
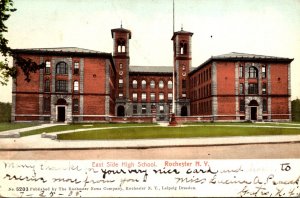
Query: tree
x=26, y=65
x=296, y=110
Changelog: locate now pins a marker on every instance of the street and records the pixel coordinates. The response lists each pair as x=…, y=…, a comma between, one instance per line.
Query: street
x=251, y=151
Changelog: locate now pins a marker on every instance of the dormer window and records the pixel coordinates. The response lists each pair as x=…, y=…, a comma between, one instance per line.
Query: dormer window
x=183, y=47
x=121, y=45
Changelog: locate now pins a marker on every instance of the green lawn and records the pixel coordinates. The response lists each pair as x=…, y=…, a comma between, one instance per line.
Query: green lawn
x=175, y=132
x=5, y=126
x=80, y=126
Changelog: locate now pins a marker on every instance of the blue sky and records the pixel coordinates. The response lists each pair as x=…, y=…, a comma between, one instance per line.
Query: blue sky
x=257, y=27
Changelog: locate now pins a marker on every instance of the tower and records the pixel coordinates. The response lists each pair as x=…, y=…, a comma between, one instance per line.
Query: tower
x=182, y=42
x=121, y=58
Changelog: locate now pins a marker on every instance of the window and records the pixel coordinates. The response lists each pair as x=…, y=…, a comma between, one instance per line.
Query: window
x=47, y=85
x=61, y=68
x=170, y=84
x=183, y=47
x=242, y=105
x=134, y=97
x=253, y=72
x=161, y=96
x=75, y=105
x=121, y=45
x=264, y=88
x=152, y=97
x=76, y=68
x=134, y=109
x=121, y=66
x=241, y=71
x=170, y=96
x=144, y=109
x=134, y=84
x=263, y=71
x=252, y=88
x=183, y=67
x=183, y=84
x=47, y=104
x=241, y=88
x=61, y=86
x=265, y=105
x=184, y=95
x=161, y=109
x=152, y=84
x=144, y=84
x=76, y=86
x=144, y=97
x=161, y=84
x=48, y=66
x=120, y=83
x=121, y=95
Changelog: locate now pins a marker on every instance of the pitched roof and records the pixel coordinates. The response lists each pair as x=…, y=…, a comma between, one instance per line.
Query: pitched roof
x=182, y=32
x=237, y=56
x=151, y=69
x=61, y=51
x=121, y=29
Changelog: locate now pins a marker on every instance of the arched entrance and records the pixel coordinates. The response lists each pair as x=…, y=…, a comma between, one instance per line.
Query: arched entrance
x=61, y=110
x=253, y=104
x=121, y=111
x=183, y=111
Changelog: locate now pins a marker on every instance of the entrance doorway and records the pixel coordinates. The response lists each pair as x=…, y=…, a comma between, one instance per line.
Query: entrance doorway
x=121, y=111
x=61, y=114
x=253, y=113
x=183, y=111
x=253, y=109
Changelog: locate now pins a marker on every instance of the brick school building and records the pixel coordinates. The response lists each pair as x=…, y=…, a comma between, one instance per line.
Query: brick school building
x=81, y=85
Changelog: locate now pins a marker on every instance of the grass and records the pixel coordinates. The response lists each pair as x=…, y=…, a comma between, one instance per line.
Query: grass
x=80, y=126
x=285, y=124
x=5, y=126
x=175, y=132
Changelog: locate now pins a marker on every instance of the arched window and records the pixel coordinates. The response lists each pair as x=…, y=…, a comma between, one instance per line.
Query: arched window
x=170, y=84
x=152, y=84
x=253, y=72
x=121, y=45
x=61, y=68
x=161, y=84
x=183, y=47
x=76, y=86
x=144, y=84
x=134, y=84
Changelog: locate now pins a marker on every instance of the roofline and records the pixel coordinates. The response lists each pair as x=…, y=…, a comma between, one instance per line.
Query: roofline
x=180, y=32
x=120, y=30
x=149, y=73
x=60, y=53
x=267, y=59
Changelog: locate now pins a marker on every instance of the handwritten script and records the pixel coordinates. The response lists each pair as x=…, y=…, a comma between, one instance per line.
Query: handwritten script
x=236, y=178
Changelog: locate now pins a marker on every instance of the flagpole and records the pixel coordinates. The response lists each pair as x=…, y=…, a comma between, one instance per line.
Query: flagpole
x=174, y=51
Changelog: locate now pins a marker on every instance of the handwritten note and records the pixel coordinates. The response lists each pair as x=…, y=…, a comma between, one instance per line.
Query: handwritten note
x=96, y=178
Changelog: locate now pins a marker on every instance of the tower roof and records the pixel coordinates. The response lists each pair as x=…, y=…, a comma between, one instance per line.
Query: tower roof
x=121, y=29
x=182, y=32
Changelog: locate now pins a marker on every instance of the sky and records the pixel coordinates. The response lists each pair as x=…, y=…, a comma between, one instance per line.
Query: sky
x=268, y=27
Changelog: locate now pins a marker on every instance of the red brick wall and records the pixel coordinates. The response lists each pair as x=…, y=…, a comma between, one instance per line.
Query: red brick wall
x=94, y=75
x=279, y=78
x=94, y=105
x=33, y=85
x=225, y=78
